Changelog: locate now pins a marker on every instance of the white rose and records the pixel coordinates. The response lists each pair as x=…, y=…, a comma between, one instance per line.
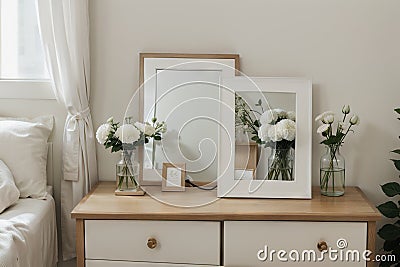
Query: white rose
x=287, y=129
x=274, y=133
x=321, y=116
x=322, y=128
x=263, y=132
x=291, y=115
x=346, y=109
x=268, y=117
x=128, y=134
x=102, y=133
x=140, y=126
x=149, y=130
x=110, y=120
x=354, y=120
x=329, y=119
x=145, y=128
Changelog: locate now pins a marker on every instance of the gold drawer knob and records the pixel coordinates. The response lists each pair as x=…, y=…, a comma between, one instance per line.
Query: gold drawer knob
x=322, y=246
x=152, y=243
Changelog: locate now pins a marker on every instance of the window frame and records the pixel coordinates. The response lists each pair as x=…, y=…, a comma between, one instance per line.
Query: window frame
x=26, y=88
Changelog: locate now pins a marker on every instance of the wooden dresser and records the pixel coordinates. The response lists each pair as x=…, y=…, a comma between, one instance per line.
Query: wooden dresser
x=117, y=231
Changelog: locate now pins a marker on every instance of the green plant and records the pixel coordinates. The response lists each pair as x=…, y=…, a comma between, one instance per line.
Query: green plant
x=391, y=232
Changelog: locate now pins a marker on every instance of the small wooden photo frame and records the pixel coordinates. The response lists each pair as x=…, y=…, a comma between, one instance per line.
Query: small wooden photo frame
x=173, y=177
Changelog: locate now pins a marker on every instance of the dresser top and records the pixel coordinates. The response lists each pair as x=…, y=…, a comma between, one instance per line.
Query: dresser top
x=101, y=203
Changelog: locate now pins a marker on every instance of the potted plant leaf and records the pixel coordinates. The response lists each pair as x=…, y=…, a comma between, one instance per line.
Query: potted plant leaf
x=391, y=209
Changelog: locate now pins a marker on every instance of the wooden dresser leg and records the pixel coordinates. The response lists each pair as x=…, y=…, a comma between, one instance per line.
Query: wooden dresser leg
x=80, y=243
x=371, y=238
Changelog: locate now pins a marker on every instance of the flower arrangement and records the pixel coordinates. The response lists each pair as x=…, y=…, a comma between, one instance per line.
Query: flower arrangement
x=126, y=138
x=275, y=128
x=390, y=232
x=112, y=134
x=334, y=139
x=278, y=131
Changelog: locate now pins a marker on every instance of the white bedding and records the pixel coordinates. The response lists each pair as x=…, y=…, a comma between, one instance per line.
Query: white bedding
x=28, y=234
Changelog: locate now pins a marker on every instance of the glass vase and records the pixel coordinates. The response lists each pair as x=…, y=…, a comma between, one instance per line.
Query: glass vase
x=127, y=171
x=332, y=172
x=280, y=165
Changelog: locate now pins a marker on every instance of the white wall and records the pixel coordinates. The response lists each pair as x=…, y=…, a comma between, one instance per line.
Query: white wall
x=350, y=48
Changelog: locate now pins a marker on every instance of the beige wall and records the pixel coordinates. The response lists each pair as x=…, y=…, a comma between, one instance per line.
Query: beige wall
x=349, y=48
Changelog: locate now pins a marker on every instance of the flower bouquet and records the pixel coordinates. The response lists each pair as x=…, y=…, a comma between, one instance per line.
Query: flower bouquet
x=275, y=129
x=126, y=138
x=332, y=165
x=278, y=131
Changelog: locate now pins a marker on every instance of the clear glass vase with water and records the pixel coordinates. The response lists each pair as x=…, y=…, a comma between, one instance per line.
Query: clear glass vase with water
x=332, y=172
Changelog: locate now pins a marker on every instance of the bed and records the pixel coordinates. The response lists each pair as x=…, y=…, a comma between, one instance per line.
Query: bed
x=28, y=235
x=28, y=231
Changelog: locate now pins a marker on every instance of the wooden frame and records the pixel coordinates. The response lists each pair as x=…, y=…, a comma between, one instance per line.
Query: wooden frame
x=301, y=186
x=167, y=60
x=165, y=186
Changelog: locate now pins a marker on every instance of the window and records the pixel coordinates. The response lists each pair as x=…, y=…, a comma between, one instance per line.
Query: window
x=23, y=72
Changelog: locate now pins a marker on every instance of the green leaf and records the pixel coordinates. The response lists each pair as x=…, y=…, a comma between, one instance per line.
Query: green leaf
x=158, y=138
x=254, y=138
x=389, y=209
x=397, y=151
x=332, y=140
x=396, y=163
x=389, y=245
x=397, y=110
x=389, y=232
x=391, y=189
x=257, y=123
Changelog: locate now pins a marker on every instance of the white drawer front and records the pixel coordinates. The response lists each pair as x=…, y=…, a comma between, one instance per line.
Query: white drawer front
x=100, y=263
x=186, y=242
x=245, y=242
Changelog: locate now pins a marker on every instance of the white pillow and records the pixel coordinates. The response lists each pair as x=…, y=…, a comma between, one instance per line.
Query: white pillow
x=23, y=147
x=9, y=193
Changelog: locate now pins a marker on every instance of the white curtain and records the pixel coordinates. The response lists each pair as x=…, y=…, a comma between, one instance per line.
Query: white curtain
x=64, y=26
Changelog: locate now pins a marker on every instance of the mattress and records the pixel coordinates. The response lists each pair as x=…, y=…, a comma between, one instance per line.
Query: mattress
x=28, y=234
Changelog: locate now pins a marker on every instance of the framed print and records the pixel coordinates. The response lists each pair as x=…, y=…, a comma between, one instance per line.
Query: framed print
x=173, y=177
x=275, y=114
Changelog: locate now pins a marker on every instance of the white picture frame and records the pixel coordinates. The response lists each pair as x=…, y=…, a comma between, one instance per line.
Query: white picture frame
x=301, y=187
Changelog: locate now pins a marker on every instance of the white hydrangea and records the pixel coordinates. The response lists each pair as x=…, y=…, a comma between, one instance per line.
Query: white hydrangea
x=274, y=133
x=263, y=132
x=102, y=133
x=291, y=115
x=128, y=134
x=286, y=129
x=282, y=114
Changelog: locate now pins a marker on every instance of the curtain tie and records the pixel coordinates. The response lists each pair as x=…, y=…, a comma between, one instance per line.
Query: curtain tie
x=73, y=120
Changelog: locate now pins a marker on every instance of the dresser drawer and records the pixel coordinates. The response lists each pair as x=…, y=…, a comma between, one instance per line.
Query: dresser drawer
x=101, y=263
x=186, y=242
x=245, y=242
